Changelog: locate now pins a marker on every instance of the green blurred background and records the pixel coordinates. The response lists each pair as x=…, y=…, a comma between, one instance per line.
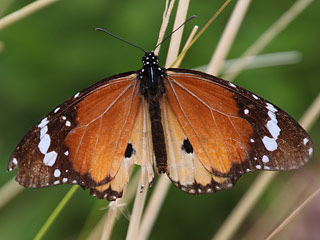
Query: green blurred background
x=55, y=52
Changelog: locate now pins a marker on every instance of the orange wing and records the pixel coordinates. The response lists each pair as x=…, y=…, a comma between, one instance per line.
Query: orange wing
x=83, y=141
x=231, y=130
x=141, y=154
x=183, y=165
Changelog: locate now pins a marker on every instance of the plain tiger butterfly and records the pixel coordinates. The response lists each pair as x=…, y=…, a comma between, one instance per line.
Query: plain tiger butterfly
x=202, y=131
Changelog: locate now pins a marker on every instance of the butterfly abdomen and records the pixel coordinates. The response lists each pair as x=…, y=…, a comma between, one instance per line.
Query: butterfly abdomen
x=159, y=145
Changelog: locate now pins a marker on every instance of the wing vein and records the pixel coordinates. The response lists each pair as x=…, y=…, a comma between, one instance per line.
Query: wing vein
x=109, y=107
x=220, y=135
x=195, y=132
x=200, y=100
x=126, y=120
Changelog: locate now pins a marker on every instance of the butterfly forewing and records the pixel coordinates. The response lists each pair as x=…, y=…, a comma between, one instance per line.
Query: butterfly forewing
x=233, y=131
x=83, y=140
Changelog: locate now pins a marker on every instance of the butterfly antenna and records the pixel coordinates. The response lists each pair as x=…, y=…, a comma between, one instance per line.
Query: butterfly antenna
x=121, y=39
x=167, y=37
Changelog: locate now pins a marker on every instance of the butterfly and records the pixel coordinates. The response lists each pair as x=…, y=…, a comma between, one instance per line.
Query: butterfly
x=202, y=131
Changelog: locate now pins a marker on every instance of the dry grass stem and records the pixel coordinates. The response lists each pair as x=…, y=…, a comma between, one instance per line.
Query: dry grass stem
x=111, y=216
x=228, y=36
x=293, y=214
x=265, y=60
x=244, y=206
x=9, y=191
x=97, y=230
x=138, y=205
x=116, y=207
x=24, y=12
x=176, y=38
x=261, y=61
x=165, y=20
x=154, y=206
x=201, y=32
x=191, y=36
x=312, y=113
x=4, y=5
x=287, y=194
x=267, y=37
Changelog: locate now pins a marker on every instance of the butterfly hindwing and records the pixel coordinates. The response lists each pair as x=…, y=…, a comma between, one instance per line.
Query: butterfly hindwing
x=232, y=130
x=83, y=140
x=139, y=151
x=183, y=165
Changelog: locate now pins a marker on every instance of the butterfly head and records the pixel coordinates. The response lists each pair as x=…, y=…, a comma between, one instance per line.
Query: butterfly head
x=151, y=76
x=150, y=59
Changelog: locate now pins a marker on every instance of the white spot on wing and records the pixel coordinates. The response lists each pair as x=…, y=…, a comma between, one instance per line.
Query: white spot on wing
x=44, y=144
x=252, y=140
x=232, y=85
x=305, y=141
x=43, y=123
x=43, y=131
x=255, y=97
x=68, y=124
x=56, y=182
x=258, y=167
x=273, y=129
x=310, y=151
x=57, y=173
x=246, y=111
x=270, y=143
x=56, y=110
x=64, y=118
x=64, y=180
x=50, y=158
x=272, y=116
x=271, y=107
x=66, y=153
x=265, y=159
x=192, y=191
x=76, y=95
x=14, y=161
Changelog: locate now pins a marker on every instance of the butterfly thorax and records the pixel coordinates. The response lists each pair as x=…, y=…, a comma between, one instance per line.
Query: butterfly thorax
x=151, y=76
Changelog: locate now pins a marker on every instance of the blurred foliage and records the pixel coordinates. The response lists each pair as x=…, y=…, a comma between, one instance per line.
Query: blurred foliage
x=54, y=53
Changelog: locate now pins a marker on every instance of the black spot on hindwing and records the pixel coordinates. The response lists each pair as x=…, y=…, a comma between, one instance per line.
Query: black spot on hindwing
x=186, y=146
x=129, y=151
